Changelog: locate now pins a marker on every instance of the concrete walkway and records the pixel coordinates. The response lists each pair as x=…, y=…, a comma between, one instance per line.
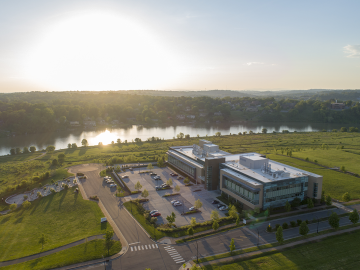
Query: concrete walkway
x=279, y=248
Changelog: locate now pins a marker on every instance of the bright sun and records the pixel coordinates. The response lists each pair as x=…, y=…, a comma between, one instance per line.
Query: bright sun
x=101, y=51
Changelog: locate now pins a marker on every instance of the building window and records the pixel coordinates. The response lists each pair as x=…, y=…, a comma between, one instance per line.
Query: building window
x=315, y=190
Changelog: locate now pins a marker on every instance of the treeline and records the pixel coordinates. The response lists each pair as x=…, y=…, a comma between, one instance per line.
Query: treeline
x=47, y=111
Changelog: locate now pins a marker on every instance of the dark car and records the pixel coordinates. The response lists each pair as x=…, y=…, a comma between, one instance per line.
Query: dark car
x=175, y=174
x=215, y=202
x=156, y=214
x=220, y=205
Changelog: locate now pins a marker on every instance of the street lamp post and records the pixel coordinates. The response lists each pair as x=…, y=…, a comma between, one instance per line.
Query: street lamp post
x=197, y=252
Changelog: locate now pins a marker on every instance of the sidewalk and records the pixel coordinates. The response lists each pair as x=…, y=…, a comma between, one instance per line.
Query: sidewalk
x=279, y=248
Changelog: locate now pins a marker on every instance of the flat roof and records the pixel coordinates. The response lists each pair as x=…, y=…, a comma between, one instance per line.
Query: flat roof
x=242, y=177
x=189, y=160
x=188, y=151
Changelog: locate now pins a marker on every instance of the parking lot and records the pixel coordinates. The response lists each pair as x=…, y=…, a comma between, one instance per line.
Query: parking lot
x=187, y=196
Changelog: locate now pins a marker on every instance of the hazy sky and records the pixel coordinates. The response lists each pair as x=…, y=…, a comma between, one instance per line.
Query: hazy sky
x=190, y=45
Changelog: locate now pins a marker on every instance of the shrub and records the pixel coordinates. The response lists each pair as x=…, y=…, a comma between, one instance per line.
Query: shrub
x=346, y=197
x=298, y=222
x=285, y=225
x=307, y=222
x=65, y=186
x=277, y=226
x=26, y=204
x=13, y=207
x=268, y=228
x=96, y=198
x=39, y=194
x=293, y=223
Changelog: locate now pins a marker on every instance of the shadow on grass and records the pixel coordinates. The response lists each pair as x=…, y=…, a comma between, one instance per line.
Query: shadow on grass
x=76, y=195
x=49, y=202
x=83, y=151
x=65, y=191
x=104, y=226
x=35, y=263
x=6, y=219
x=19, y=220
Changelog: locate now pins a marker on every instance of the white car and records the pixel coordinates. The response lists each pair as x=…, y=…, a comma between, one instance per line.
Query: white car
x=107, y=177
x=177, y=204
x=153, y=211
x=223, y=208
x=192, y=208
x=112, y=185
x=125, y=176
x=174, y=201
x=109, y=181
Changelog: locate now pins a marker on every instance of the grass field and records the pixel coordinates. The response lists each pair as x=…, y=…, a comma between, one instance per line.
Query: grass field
x=85, y=252
x=18, y=168
x=63, y=217
x=337, y=252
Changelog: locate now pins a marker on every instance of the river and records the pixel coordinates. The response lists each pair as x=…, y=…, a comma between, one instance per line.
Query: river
x=61, y=139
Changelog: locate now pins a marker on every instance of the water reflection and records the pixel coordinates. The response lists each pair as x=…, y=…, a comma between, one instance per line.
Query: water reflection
x=106, y=136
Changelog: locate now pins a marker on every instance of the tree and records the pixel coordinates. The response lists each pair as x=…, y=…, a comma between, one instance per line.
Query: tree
x=69, y=145
x=198, y=204
x=169, y=182
x=346, y=197
x=26, y=150
x=84, y=142
x=138, y=186
x=232, y=246
x=354, y=216
x=237, y=220
x=171, y=218
x=215, y=225
x=54, y=162
x=343, y=169
x=18, y=150
x=193, y=221
x=145, y=193
x=328, y=200
x=186, y=180
x=42, y=240
x=310, y=203
x=61, y=158
x=279, y=235
x=287, y=206
x=109, y=242
x=218, y=134
x=150, y=167
x=264, y=130
x=303, y=229
x=160, y=163
x=12, y=151
x=13, y=207
x=26, y=204
x=118, y=141
x=190, y=231
x=322, y=199
x=233, y=211
x=343, y=129
x=74, y=146
x=177, y=188
x=334, y=220
x=50, y=149
x=214, y=215
x=32, y=149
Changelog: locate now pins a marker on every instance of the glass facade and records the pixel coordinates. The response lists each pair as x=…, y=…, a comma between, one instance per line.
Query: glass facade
x=277, y=193
x=315, y=192
x=190, y=170
x=247, y=193
x=209, y=177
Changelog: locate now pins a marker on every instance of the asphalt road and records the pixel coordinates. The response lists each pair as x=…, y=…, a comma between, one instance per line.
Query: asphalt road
x=144, y=253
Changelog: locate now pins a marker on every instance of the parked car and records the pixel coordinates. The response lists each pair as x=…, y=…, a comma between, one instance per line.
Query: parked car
x=223, y=208
x=125, y=176
x=130, y=169
x=215, y=202
x=153, y=211
x=177, y=204
x=179, y=178
x=107, y=177
x=112, y=185
x=220, y=205
x=109, y=181
x=175, y=174
x=156, y=214
x=174, y=201
x=103, y=219
x=153, y=173
x=192, y=208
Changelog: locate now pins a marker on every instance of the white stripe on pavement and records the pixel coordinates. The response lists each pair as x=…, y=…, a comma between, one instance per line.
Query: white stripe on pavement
x=153, y=246
x=146, y=247
x=156, y=245
x=142, y=247
x=131, y=248
x=135, y=248
x=181, y=261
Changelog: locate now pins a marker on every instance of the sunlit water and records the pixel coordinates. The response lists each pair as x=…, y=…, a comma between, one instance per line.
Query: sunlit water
x=61, y=139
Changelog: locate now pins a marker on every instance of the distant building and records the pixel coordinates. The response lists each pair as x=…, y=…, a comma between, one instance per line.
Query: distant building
x=249, y=178
x=90, y=123
x=191, y=116
x=203, y=114
x=180, y=117
x=74, y=123
x=337, y=106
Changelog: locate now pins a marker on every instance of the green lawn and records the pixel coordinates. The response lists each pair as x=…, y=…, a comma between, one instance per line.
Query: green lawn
x=63, y=217
x=85, y=252
x=337, y=252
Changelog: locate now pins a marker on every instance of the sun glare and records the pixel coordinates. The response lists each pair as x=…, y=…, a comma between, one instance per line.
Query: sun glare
x=100, y=51
x=105, y=137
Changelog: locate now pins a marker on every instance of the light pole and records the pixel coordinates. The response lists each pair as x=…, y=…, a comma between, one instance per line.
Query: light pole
x=197, y=252
x=139, y=166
